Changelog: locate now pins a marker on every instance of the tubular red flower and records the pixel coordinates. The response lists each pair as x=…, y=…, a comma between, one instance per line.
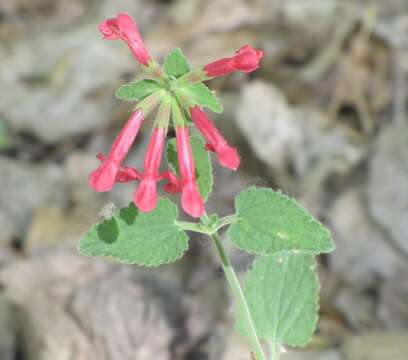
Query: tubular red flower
x=104, y=177
x=125, y=28
x=246, y=59
x=145, y=196
x=191, y=200
x=227, y=155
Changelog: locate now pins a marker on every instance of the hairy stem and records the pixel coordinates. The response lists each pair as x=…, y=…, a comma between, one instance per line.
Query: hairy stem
x=196, y=227
x=239, y=297
x=227, y=220
x=274, y=351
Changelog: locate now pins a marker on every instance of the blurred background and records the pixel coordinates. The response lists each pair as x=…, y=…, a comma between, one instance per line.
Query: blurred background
x=324, y=120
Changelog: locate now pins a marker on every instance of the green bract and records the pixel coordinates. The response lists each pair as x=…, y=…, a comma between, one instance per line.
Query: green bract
x=201, y=95
x=176, y=64
x=137, y=90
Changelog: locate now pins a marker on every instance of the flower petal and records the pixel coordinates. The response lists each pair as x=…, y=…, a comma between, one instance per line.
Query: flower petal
x=227, y=155
x=246, y=59
x=191, y=200
x=103, y=178
x=124, y=27
x=145, y=196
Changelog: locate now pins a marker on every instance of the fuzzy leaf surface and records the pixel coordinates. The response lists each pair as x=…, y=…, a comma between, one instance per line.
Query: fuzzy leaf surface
x=137, y=90
x=201, y=95
x=202, y=162
x=176, y=64
x=269, y=221
x=282, y=292
x=134, y=237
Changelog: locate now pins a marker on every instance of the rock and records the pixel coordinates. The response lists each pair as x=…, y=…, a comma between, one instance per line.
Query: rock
x=66, y=90
x=70, y=306
x=24, y=188
x=7, y=255
x=268, y=124
x=236, y=348
x=312, y=355
x=357, y=307
x=362, y=252
x=8, y=227
x=59, y=95
x=6, y=140
x=377, y=346
x=53, y=225
x=393, y=303
x=287, y=136
x=78, y=165
x=146, y=334
x=387, y=190
x=323, y=153
x=7, y=330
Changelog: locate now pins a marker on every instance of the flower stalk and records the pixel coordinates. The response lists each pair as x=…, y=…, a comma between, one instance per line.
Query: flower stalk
x=239, y=296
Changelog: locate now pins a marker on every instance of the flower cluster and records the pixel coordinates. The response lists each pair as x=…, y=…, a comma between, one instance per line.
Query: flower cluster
x=170, y=107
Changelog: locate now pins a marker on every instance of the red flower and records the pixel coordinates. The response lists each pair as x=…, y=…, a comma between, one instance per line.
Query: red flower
x=104, y=177
x=227, y=155
x=125, y=28
x=191, y=200
x=145, y=196
x=170, y=98
x=246, y=59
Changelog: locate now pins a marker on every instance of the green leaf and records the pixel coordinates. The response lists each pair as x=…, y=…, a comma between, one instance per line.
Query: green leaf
x=269, y=221
x=201, y=95
x=137, y=90
x=282, y=292
x=176, y=64
x=134, y=237
x=202, y=162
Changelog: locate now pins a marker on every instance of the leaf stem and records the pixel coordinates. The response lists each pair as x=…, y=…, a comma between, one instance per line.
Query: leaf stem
x=274, y=351
x=227, y=220
x=196, y=227
x=239, y=297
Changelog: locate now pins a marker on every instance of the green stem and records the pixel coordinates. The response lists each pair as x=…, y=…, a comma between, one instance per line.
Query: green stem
x=239, y=297
x=274, y=351
x=196, y=227
x=227, y=220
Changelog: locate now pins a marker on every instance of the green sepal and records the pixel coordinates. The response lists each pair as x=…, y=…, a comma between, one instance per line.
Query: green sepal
x=151, y=102
x=135, y=237
x=269, y=221
x=176, y=64
x=282, y=293
x=203, y=167
x=164, y=111
x=137, y=90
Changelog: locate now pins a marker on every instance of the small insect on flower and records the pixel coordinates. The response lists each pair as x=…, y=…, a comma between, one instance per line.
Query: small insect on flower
x=172, y=96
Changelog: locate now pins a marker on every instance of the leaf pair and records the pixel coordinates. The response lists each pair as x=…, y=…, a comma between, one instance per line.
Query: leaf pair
x=282, y=287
